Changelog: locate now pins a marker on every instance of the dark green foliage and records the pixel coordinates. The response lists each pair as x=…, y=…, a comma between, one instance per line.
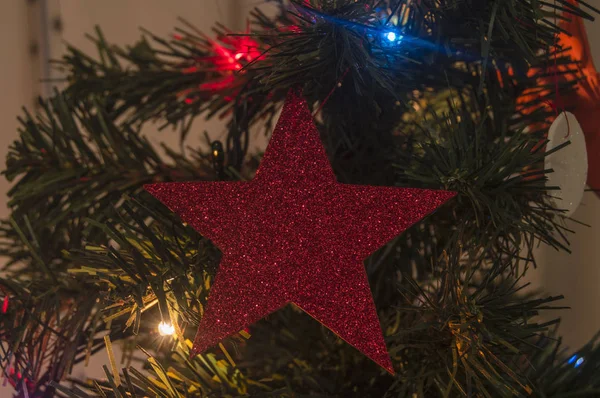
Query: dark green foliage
x=161, y=81
x=73, y=162
x=468, y=329
x=559, y=377
x=451, y=105
x=463, y=151
x=137, y=82
x=45, y=330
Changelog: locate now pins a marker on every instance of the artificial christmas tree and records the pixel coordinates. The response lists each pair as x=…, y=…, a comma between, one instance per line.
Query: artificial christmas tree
x=434, y=117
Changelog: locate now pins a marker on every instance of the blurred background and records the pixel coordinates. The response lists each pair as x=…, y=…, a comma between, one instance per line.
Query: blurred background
x=34, y=31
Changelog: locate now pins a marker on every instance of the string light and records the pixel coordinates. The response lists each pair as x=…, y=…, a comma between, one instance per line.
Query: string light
x=392, y=38
x=576, y=361
x=166, y=329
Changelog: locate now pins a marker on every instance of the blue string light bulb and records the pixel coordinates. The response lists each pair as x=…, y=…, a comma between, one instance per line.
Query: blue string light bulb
x=576, y=361
x=392, y=36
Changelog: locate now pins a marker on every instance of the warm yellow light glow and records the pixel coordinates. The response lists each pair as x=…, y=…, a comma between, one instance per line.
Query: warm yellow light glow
x=166, y=329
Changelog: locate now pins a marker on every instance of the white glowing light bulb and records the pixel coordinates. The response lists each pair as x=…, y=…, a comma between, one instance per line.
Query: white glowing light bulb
x=166, y=329
x=391, y=36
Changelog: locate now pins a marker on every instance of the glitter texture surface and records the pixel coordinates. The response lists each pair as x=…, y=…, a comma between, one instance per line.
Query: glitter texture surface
x=294, y=234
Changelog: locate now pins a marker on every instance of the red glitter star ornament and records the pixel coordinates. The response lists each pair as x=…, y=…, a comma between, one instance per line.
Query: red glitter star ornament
x=295, y=235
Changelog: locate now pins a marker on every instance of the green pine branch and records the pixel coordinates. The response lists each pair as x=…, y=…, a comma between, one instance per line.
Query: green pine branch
x=498, y=173
x=73, y=162
x=466, y=328
x=91, y=254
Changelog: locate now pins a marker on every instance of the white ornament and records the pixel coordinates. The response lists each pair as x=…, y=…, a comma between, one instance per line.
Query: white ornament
x=570, y=163
x=166, y=329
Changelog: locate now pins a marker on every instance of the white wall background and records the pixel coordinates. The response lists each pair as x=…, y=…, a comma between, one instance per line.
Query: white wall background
x=23, y=23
